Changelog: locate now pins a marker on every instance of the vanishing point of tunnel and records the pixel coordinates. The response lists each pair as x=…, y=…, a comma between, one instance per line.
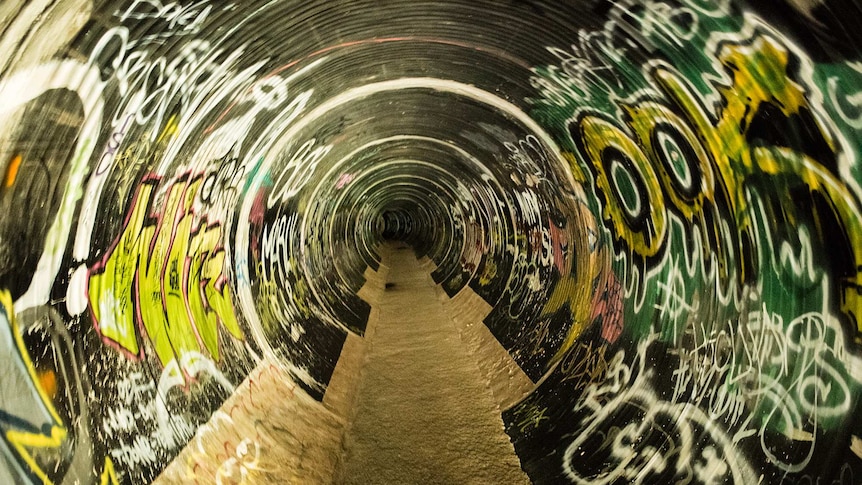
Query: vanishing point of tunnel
x=431, y=242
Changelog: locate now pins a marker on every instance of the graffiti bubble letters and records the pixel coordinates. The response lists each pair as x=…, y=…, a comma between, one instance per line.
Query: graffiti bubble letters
x=681, y=159
x=165, y=276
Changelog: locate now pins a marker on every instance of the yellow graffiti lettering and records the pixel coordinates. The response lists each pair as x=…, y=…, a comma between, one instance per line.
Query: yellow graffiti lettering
x=169, y=130
x=489, y=273
x=669, y=141
x=760, y=76
x=24, y=441
x=171, y=278
x=531, y=417
x=699, y=155
x=571, y=291
x=635, y=208
x=114, y=310
x=175, y=267
x=109, y=475
x=574, y=288
x=208, y=305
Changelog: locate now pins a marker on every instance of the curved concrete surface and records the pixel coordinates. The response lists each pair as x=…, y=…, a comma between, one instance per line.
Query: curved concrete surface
x=641, y=219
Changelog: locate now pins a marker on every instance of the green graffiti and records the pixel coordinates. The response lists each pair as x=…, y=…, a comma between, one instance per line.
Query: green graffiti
x=759, y=78
x=166, y=277
x=724, y=157
x=728, y=187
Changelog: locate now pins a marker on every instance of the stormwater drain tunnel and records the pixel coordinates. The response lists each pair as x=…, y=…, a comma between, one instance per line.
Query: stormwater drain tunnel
x=445, y=241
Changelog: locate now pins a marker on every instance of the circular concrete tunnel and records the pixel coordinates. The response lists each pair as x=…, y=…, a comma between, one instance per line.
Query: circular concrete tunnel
x=451, y=241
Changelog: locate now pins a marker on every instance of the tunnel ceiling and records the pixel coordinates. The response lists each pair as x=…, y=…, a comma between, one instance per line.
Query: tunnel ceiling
x=658, y=200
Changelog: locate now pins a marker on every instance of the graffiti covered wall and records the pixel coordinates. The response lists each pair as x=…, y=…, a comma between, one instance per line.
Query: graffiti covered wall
x=659, y=200
x=723, y=344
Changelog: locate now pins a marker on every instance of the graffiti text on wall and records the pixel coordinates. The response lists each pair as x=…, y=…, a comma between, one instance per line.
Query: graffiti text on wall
x=164, y=274
x=725, y=172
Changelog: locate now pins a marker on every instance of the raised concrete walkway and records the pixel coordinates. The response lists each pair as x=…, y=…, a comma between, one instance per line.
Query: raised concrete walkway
x=423, y=413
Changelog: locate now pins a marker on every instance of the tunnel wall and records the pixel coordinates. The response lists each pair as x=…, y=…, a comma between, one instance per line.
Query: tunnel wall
x=664, y=224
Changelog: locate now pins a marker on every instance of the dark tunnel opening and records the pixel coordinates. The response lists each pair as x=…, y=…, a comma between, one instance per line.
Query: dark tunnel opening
x=397, y=225
x=430, y=241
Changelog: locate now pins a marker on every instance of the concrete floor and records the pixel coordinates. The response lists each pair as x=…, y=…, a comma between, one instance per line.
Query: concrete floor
x=423, y=412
